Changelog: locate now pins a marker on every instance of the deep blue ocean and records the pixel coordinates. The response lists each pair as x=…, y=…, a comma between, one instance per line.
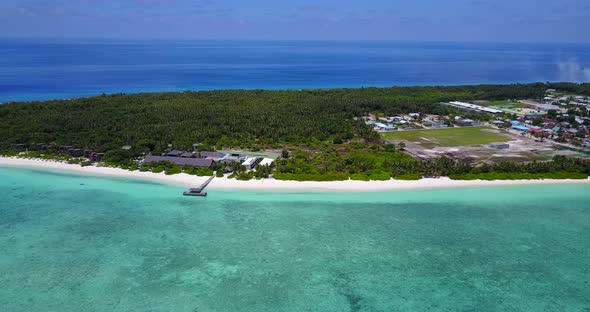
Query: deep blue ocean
x=44, y=69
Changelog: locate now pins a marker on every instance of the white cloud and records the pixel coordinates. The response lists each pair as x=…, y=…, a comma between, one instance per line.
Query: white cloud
x=572, y=71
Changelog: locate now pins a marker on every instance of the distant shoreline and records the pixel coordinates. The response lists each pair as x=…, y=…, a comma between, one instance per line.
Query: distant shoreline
x=51, y=97
x=185, y=180
x=165, y=90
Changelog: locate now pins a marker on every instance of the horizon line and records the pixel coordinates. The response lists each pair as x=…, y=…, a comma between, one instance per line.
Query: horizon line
x=145, y=39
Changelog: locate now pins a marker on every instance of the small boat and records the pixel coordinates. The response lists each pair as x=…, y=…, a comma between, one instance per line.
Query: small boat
x=192, y=193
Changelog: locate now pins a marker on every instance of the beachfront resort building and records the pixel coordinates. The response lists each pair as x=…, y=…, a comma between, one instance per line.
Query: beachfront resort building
x=205, y=159
x=215, y=156
x=249, y=163
x=181, y=161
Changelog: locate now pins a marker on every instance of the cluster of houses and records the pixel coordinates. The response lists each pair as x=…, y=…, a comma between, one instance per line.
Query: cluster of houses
x=78, y=152
x=399, y=122
x=554, y=98
x=564, y=125
x=385, y=124
x=564, y=117
x=553, y=129
x=415, y=121
x=205, y=159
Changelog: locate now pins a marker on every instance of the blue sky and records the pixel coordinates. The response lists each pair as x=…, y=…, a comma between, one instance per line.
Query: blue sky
x=416, y=20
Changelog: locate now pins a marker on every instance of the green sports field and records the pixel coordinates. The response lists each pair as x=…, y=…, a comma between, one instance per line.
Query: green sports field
x=448, y=137
x=504, y=103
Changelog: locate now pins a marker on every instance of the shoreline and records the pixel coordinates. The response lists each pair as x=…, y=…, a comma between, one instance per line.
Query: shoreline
x=186, y=180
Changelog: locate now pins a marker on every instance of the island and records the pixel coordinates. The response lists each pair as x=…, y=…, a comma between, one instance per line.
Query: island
x=366, y=138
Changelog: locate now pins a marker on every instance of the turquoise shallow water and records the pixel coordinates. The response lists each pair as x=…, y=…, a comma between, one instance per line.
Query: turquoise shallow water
x=76, y=243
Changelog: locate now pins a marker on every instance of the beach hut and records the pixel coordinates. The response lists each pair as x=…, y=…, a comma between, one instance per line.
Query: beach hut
x=97, y=156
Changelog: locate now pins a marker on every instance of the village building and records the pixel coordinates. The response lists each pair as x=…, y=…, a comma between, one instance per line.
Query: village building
x=500, y=146
x=383, y=127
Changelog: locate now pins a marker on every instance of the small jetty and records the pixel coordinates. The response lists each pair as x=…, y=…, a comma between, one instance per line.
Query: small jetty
x=198, y=191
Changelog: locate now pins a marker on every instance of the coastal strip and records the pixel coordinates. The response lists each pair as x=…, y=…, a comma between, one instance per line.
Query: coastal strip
x=186, y=180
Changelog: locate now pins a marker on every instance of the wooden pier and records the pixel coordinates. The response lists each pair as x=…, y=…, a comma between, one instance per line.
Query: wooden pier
x=198, y=191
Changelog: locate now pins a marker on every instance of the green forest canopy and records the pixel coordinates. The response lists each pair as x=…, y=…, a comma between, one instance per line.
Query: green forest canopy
x=235, y=117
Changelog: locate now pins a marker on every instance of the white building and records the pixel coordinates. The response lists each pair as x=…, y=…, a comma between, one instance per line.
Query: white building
x=476, y=107
x=266, y=162
x=249, y=163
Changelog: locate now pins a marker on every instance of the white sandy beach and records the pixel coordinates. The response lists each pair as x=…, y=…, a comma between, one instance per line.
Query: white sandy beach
x=186, y=180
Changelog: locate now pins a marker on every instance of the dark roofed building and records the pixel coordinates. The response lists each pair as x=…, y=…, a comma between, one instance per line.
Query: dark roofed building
x=97, y=156
x=65, y=148
x=195, y=162
x=187, y=155
x=76, y=152
x=38, y=147
x=174, y=153
x=214, y=155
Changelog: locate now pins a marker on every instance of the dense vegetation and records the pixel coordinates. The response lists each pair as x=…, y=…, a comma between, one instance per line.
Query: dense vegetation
x=382, y=162
x=231, y=117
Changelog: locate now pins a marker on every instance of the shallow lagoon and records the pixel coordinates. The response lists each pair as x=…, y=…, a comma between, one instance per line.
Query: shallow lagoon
x=77, y=243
